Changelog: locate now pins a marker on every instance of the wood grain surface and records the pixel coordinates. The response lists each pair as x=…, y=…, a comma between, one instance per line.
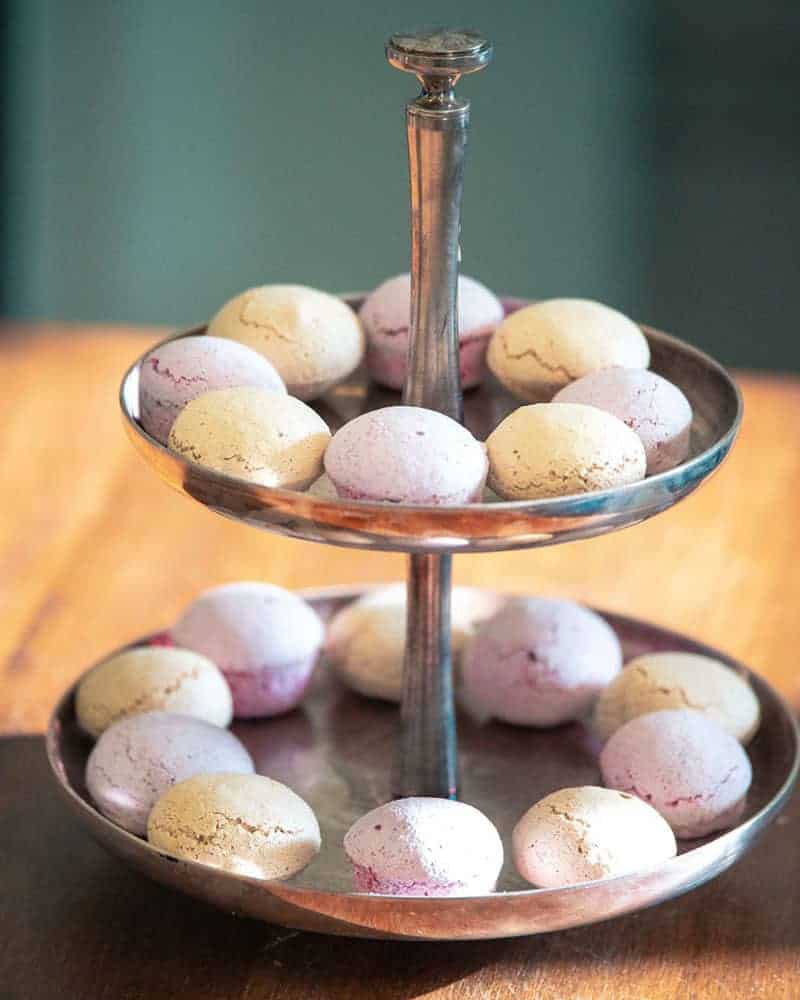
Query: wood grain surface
x=94, y=550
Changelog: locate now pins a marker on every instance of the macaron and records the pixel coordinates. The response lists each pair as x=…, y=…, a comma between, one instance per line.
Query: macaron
x=152, y=678
x=679, y=680
x=581, y=834
x=366, y=640
x=243, y=823
x=538, y=662
x=264, y=437
x=137, y=759
x=406, y=454
x=424, y=847
x=175, y=373
x=539, y=349
x=264, y=639
x=386, y=317
x=684, y=764
x=655, y=409
x=560, y=449
x=313, y=339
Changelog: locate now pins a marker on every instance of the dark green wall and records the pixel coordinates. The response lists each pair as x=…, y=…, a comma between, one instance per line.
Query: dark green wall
x=161, y=157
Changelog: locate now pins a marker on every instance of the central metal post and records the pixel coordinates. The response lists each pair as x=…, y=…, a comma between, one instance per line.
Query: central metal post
x=436, y=124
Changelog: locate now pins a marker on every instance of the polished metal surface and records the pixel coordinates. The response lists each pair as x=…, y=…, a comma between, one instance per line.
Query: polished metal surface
x=482, y=527
x=427, y=761
x=337, y=752
x=436, y=128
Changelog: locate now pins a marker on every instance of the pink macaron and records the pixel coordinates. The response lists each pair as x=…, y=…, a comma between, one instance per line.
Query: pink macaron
x=179, y=371
x=407, y=454
x=538, y=662
x=424, y=847
x=385, y=316
x=138, y=758
x=655, y=409
x=264, y=639
x=684, y=764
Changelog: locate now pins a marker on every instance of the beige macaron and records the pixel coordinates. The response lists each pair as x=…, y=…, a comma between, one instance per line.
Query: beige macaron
x=539, y=349
x=243, y=823
x=265, y=437
x=582, y=834
x=151, y=678
x=679, y=680
x=313, y=339
x=366, y=641
x=557, y=449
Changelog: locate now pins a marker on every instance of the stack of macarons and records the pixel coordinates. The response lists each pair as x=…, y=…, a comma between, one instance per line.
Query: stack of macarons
x=236, y=399
x=165, y=765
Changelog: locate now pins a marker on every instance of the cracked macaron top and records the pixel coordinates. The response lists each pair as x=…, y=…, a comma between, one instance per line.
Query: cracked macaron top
x=264, y=437
x=406, y=454
x=582, y=834
x=137, y=759
x=656, y=681
x=150, y=678
x=313, y=339
x=243, y=823
x=650, y=405
x=539, y=349
x=559, y=449
x=682, y=763
x=538, y=662
x=424, y=846
x=179, y=371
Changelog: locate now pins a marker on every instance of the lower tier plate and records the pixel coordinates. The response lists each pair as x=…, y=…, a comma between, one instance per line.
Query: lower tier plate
x=337, y=752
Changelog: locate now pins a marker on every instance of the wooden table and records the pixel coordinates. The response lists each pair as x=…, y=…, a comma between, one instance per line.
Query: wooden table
x=94, y=550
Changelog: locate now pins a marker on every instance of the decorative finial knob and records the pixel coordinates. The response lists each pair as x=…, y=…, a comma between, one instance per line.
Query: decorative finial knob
x=439, y=56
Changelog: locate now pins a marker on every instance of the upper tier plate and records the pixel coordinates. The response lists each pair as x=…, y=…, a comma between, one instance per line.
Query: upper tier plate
x=482, y=527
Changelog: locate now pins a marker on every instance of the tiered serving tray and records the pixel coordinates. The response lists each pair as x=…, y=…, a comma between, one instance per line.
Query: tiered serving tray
x=346, y=754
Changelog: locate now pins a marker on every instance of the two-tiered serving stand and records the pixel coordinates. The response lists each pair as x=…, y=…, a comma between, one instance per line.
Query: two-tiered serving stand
x=345, y=754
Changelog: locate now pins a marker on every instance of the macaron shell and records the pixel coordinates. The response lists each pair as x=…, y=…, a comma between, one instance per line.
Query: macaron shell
x=179, y=371
x=406, y=454
x=150, y=678
x=542, y=347
x=684, y=764
x=243, y=823
x=655, y=409
x=313, y=339
x=581, y=834
x=423, y=846
x=561, y=449
x=538, y=662
x=264, y=437
x=137, y=759
x=664, y=680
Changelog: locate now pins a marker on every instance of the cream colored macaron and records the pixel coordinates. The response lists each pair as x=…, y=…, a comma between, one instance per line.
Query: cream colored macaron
x=557, y=449
x=265, y=437
x=151, y=678
x=539, y=349
x=313, y=339
x=679, y=680
x=582, y=834
x=366, y=641
x=243, y=823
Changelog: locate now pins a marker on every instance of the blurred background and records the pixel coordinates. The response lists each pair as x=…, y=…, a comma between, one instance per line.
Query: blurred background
x=159, y=158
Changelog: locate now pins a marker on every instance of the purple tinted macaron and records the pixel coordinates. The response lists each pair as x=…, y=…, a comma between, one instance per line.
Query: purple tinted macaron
x=179, y=371
x=652, y=407
x=385, y=316
x=137, y=759
x=264, y=639
x=406, y=454
x=538, y=662
x=424, y=847
x=684, y=764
